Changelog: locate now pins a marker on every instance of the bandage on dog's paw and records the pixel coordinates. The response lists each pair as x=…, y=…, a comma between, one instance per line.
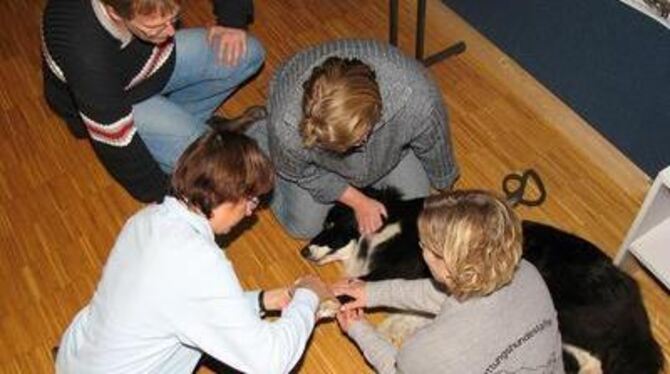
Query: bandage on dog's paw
x=328, y=308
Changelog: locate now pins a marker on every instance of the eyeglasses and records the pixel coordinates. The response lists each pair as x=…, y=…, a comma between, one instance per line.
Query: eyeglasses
x=252, y=203
x=155, y=31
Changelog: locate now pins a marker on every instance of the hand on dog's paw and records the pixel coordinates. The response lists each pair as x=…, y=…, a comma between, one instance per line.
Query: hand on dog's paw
x=316, y=285
x=353, y=290
x=277, y=299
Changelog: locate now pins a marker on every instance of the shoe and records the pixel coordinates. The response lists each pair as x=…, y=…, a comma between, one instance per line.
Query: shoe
x=242, y=123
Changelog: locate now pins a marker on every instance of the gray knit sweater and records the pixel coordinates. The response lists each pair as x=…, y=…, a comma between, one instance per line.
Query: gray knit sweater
x=413, y=118
x=513, y=330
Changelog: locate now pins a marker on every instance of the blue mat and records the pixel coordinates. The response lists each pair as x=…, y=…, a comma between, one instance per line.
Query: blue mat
x=608, y=62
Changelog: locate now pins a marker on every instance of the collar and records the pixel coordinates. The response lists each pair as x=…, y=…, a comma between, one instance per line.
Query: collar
x=197, y=221
x=122, y=35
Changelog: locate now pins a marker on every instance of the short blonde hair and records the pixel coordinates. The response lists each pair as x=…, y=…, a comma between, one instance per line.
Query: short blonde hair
x=341, y=104
x=478, y=236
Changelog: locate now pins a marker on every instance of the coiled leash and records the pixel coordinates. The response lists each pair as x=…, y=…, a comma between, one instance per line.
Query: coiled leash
x=515, y=186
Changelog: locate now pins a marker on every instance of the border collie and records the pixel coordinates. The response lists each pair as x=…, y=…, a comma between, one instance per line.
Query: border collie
x=599, y=307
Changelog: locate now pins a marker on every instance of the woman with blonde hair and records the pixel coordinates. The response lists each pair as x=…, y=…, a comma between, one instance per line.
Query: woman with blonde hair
x=492, y=311
x=349, y=114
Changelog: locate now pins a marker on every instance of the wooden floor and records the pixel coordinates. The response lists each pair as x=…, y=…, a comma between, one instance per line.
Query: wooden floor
x=60, y=211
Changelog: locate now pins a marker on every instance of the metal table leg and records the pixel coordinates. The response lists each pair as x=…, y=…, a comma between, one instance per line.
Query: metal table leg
x=452, y=50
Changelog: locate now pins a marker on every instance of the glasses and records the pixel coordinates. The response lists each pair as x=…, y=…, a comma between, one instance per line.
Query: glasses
x=155, y=31
x=252, y=203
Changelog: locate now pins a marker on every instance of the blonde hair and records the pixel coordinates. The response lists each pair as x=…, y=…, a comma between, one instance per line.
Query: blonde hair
x=477, y=235
x=341, y=104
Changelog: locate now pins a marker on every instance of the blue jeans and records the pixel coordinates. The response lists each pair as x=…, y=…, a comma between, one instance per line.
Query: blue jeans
x=170, y=121
x=303, y=217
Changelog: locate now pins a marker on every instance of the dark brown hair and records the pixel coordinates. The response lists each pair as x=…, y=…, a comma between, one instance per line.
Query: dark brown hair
x=129, y=8
x=341, y=104
x=221, y=166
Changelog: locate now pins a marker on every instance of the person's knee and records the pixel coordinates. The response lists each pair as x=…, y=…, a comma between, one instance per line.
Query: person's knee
x=297, y=227
x=255, y=53
x=301, y=232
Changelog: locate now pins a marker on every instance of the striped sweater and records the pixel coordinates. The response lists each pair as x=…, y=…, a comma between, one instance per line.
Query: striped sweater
x=93, y=76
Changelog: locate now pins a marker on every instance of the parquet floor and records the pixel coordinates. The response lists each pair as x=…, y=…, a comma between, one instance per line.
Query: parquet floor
x=60, y=211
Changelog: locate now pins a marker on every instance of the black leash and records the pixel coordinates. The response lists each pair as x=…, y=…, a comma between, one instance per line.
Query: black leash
x=515, y=185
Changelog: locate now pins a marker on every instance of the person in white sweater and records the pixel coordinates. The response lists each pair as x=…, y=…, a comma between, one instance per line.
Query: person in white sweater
x=492, y=311
x=168, y=293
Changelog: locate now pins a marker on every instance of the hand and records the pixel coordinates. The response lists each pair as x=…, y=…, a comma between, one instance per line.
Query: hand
x=314, y=283
x=354, y=288
x=370, y=215
x=347, y=318
x=232, y=43
x=276, y=299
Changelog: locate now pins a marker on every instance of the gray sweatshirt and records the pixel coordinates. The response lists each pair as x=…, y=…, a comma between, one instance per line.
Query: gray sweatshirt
x=413, y=118
x=513, y=330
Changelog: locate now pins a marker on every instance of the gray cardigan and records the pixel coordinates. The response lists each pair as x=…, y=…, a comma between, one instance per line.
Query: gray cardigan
x=413, y=118
x=513, y=330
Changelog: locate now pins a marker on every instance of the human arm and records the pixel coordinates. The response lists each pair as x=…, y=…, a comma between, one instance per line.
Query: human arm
x=228, y=37
x=321, y=184
x=269, y=300
x=379, y=352
x=234, y=13
x=421, y=295
x=369, y=212
x=294, y=162
x=107, y=113
x=222, y=322
x=432, y=145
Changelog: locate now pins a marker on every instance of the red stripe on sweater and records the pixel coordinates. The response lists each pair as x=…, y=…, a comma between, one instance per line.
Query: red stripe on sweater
x=150, y=65
x=120, y=133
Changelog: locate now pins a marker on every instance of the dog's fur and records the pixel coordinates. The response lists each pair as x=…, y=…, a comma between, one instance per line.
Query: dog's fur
x=599, y=306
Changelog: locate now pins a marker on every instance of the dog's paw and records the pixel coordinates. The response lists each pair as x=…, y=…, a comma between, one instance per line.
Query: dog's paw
x=328, y=309
x=588, y=364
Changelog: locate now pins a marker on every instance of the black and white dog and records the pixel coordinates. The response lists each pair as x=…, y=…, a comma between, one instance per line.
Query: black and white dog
x=599, y=307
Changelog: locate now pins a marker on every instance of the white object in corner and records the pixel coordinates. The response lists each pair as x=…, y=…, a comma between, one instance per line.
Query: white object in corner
x=649, y=237
x=649, y=10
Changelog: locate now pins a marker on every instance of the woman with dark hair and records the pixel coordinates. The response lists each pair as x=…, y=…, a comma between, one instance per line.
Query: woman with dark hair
x=168, y=293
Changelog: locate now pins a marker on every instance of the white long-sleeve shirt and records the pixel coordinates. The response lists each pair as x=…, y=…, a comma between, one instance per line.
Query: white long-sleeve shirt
x=167, y=294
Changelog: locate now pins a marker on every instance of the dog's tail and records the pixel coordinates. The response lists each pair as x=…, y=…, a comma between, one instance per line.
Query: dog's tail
x=515, y=187
x=238, y=124
x=586, y=363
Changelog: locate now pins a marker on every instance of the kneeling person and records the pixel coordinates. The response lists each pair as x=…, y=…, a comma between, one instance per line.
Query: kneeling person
x=492, y=310
x=168, y=293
